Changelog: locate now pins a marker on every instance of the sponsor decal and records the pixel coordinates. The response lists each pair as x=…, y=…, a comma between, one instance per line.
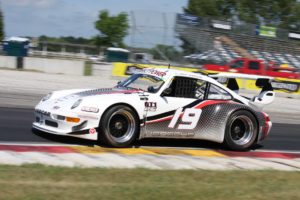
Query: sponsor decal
x=150, y=106
x=294, y=35
x=90, y=109
x=143, y=97
x=267, y=31
x=88, y=117
x=187, y=19
x=172, y=134
x=221, y=24
x=154, y=72
x=125, y=69
x=132, y=69
x=92, y=131
x=285, y=85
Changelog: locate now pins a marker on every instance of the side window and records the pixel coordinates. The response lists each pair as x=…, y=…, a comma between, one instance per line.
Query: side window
x=237, y=64
x=253, y=65
x=188, y=88
x=216, y=92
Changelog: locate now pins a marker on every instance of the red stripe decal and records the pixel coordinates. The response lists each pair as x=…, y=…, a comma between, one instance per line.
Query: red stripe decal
x=47, y=149
x=209, y=102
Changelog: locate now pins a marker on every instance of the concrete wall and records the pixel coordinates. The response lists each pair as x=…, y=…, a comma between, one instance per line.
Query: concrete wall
x=104, y=70
x=57, y=66
x=54, y=66
x=8, y=62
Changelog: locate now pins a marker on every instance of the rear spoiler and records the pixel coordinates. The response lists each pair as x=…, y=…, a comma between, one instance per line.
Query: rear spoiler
x=263, y=82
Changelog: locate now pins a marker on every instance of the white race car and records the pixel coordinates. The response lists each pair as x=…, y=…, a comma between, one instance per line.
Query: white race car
x=159, y=103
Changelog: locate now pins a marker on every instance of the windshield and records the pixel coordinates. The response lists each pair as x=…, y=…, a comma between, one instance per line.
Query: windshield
x=143, y=82
x=237, y=64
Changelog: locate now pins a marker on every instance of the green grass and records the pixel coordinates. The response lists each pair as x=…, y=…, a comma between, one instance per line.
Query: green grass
x=57, y=183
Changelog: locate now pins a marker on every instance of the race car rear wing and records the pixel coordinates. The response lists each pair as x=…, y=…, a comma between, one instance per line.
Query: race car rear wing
x=263, y=82
x=266, y=95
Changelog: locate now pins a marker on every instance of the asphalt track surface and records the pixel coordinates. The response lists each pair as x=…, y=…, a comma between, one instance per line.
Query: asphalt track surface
x=15, y=127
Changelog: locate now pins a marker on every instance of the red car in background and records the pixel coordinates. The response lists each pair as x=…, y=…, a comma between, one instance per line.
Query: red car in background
x=259, y=67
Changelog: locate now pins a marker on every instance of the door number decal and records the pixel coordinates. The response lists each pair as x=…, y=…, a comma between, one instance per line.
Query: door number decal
x=189, y=120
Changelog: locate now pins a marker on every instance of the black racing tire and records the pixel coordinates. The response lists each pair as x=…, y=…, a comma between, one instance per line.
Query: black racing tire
x=119, y=126
x=241, y=131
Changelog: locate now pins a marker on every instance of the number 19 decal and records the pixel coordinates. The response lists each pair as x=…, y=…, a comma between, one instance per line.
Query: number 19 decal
x=189, y=118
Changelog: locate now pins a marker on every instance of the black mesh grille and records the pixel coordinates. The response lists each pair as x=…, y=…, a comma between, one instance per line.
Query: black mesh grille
x=51, y=123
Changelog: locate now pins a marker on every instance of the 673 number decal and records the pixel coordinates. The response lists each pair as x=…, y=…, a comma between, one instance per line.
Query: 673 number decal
x=189, y=120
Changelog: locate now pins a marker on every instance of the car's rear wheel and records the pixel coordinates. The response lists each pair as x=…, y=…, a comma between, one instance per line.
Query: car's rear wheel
x=119, y=126
x=241, y=130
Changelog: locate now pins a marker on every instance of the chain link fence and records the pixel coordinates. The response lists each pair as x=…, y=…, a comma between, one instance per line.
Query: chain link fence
x=172, y=38
x=198, y=40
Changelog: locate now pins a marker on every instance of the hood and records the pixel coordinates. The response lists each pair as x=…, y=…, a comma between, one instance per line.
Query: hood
x=69, y=99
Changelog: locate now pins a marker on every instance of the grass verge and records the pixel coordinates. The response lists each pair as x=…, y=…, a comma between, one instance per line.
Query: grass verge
x=40, y=182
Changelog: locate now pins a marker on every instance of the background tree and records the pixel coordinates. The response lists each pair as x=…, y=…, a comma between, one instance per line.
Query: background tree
x=209, y=8
x=112, y=29
x=66, y=39
x=2, y=35
x=279, y=13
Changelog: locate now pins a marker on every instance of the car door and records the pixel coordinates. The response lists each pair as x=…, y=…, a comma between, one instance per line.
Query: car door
x=172, y=113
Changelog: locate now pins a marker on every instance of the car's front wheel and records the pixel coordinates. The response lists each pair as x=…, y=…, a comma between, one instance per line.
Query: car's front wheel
x=119, y=126
x=241, y=130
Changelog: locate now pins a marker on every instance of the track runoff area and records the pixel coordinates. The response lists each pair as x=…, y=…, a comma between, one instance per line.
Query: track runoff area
x=20, y=146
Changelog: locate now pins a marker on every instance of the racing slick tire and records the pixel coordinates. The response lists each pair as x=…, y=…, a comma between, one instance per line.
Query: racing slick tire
x=119, y=126
x=241, y=131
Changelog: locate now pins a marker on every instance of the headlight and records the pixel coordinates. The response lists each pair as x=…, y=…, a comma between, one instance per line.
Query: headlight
x=48, y=96
x=76, y=104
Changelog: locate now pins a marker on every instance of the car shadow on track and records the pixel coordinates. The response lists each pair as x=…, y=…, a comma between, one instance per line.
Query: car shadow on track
x=157, y=142
x=64, y=139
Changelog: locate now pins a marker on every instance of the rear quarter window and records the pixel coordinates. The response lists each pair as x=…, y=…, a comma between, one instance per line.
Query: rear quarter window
x=218, y=93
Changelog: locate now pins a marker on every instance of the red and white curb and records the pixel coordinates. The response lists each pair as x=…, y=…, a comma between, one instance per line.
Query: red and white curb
x=152, y=158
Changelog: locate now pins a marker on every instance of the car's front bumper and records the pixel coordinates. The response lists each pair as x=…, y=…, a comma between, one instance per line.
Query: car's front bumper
x=48, y=122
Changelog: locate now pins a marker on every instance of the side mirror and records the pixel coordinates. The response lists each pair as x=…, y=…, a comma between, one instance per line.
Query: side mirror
x=166, y=92
x=151, y=89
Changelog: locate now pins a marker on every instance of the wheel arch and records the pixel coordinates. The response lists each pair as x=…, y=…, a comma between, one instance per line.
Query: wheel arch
x=254, y=113
x=120, y=104
x=249, y=110
x=102, y=134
